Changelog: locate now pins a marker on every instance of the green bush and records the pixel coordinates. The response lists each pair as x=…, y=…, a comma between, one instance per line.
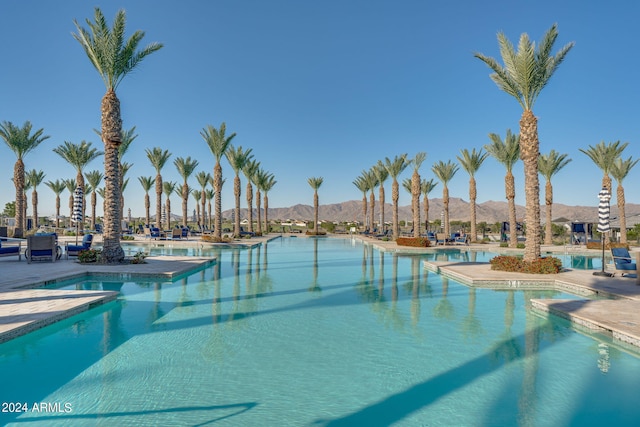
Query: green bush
x=89, y=255
x=546, y=265
x=417, y=242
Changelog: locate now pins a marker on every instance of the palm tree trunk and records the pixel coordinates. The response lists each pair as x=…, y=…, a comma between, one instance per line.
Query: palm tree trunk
x=203, y=203
x=259, y=222
x=548, y=200
x=529, y=153
x=168, y=213
x=250, y=206
x=217, y=183
x=34, y=202
x=18, y=180
x=57, y=211
x=621, y=214
x=147, y=209
x=185, y=198
x=94, y=202
x=415, y=202
x=364, y=209
x=266, y=214
x=425, y=205
x=473, y=193
x=316, y=206
x=395, y=196
x=372, y=204
x=236, y=193
x=381, y=197
x=510, y=189
x=159, y=200
x=445, y=202
x=209, y=224
x=70, y=209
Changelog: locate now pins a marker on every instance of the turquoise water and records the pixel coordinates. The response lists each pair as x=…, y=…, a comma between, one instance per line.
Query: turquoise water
x=308, y=332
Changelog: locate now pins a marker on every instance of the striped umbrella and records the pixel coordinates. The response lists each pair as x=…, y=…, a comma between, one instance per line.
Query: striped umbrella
x=603, y=223
x=77, y=217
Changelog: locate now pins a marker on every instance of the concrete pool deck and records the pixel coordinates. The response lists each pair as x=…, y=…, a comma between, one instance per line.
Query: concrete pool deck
x=24, y=308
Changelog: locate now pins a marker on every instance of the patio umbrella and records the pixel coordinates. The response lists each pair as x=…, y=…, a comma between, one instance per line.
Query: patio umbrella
x=78, y=199
x=603, y=223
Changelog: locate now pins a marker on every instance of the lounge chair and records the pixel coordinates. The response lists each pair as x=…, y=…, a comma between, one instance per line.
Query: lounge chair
x=41, y=247
x=624, y=263
x=441, y=239
x=185, y=232
x=11, y=249
x=462, y=239
x=74, y=250
x=176, y=233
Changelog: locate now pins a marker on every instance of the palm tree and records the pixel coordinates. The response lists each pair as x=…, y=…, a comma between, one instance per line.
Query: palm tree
x=315, y=183
x=620, y=170
x=101, y=193
x=168, y=187
x=372, y=183
x=445, y=173
x=209, y=194
x=471, y=162
x=203, y=178
x=525, y=74
x=218, y=144
x=124, y=168
x=35, y=178
x=507, y=152
x=114, y=58
x=197, y=195
x=95, y=178
x=158, y=159
x=415, y=191
x=604, y=155
x=549, y=165
x=427, y=187
x=381, y=175
x=27, y=187
x=237, y=158
x=363, y=185
x=57, y=187
x=249, y=171
x=147, y=182
x=185, y=167
x=21, y=141
x=71, y=187
x=267, y=185
x=395, y=167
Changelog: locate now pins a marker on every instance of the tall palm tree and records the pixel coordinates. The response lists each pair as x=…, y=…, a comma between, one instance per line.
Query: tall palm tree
x=25, y=203
x=57, y=187
x=185, y=167
x=381, y=174
x=147, y=182
x=71, y=187
x=362, y=184
x=395, y=167
x=604, y=156
x=267, y=185
x=471, y=162
x=35, y=178
x=416, y=190
x=21, y=141
x=507, y=152
x=372, y=183
x=95, y=178
x=158, y=159
x=114, y=58
x=549, y=165
x=168, y=187
x=237, y=158
x=209, y=194
x=315, y=183
x=445, y=173
x=197, y=195
x=525, y=73
x=426, y=187
x=102, y=193
x=124, y=168
x=259, y=180
x=249, y=171
x=218, y=143
x=203, y=178
x=620, y=170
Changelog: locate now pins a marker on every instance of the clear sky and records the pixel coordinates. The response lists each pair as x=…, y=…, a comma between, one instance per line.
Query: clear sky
x=323, y=89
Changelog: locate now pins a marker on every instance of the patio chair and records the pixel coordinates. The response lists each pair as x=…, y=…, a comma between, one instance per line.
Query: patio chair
x=11, y=249
x=623, y=262
x=176, y=233
x=41, y=247
x=462, y=239
x=441, y=239
x=74, y=250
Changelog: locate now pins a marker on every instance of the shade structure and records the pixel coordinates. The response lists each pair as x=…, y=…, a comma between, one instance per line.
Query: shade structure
x=603, y=211
x=78, y=200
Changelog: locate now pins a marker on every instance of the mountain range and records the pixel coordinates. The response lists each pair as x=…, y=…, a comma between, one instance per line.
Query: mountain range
x=490, y=212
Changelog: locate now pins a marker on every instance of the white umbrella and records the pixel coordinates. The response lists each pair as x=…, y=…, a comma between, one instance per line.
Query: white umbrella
x=78, y=199
x=603, y=223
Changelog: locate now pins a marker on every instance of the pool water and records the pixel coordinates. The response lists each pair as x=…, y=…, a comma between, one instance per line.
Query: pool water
x=313, y=332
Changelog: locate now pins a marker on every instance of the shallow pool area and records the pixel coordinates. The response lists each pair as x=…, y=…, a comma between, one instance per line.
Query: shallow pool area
x=317, y=332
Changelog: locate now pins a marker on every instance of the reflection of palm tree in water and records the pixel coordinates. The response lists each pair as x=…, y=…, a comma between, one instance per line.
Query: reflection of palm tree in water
x=471, y=327
x=444, y=308
x=315, y=287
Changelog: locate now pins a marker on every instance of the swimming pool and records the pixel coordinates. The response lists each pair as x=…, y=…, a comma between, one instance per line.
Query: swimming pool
x=317, y=332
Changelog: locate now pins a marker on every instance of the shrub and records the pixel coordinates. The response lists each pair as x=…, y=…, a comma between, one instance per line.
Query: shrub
x=138, y=258
x=213, y=239
x=319, y=233
x=546, y=265
x=89, y=255
x=127, y=237
x=417, y=242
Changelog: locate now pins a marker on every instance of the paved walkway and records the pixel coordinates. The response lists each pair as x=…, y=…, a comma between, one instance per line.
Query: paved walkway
x=23, y=310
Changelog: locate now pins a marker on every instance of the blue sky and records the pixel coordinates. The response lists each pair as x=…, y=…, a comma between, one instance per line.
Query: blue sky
x=323, y=89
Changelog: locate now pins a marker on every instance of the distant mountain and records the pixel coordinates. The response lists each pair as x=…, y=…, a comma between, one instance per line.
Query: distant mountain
x=490, y=211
